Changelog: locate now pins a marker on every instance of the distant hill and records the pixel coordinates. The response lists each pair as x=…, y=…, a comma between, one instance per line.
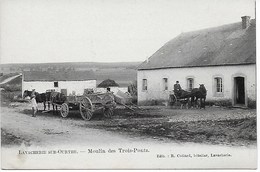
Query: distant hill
x=76, y=65
x=122, y=72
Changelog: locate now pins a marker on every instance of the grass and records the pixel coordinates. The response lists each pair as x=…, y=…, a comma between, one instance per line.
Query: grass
x=9, y=139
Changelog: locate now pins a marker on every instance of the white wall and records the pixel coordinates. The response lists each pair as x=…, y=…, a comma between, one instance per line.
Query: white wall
x=42, y=86
x=112, y=89
x=202, y=75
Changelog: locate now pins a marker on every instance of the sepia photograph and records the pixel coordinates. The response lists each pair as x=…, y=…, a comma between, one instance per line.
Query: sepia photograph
x=128, y=84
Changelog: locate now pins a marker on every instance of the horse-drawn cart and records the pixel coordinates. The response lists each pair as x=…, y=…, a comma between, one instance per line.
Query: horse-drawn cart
x=88, y=104
x=177, y=99
x=184, y=96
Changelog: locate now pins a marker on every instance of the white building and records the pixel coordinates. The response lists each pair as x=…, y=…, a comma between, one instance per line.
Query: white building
x=222, y=58
x=72, y=82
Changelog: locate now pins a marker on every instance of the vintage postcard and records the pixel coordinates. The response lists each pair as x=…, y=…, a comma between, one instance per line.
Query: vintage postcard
x=128, y=84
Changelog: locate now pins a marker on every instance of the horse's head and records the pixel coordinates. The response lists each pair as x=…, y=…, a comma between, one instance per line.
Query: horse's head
x=26, y=93
x=202, y=88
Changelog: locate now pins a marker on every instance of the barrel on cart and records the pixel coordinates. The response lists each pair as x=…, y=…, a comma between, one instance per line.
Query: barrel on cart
x=88, y=104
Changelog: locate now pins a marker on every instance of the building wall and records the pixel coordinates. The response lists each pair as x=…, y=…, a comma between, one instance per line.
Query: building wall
x=76, y=86
x=201, y=75
x=112, y=89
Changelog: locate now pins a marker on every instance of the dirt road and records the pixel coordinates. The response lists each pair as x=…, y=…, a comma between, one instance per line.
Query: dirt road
x=49, y=129
x=155, y=124
x=147, y=132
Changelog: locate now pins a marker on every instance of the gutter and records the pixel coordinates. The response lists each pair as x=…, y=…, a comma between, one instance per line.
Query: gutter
x=192, y=66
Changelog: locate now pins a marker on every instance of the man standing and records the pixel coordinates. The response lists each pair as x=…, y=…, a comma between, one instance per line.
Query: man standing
x=177, y=89
x=34, y=106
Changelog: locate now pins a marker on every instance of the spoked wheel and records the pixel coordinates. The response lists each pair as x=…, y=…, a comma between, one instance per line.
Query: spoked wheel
x=173, y=99
x=64, y=110
x=86, y=108
x=108, y=112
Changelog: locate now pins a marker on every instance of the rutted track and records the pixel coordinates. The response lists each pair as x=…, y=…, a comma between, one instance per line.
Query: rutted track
x=210, y=126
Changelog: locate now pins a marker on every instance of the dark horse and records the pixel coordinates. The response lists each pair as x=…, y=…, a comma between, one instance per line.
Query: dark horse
x=199, y=93
x=56, y=98
x=40, y=97
x=194, y=95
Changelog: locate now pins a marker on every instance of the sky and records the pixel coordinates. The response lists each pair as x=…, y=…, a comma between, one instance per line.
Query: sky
x=45, y=31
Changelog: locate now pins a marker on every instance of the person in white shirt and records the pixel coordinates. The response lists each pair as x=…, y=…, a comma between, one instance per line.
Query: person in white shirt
x=34, y=106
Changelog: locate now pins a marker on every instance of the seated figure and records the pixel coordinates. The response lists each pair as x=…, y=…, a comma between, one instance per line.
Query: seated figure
x=177, y=89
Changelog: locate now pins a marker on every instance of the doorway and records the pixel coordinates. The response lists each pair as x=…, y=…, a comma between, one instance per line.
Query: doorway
x=239, y=91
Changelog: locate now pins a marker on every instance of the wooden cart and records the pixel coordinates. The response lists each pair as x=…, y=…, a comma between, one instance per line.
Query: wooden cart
x=176, y=100
x=88, y=104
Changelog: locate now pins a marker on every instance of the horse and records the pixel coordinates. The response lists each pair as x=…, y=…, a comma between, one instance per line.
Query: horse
x=199, y=93
x=194, y=95
x=56, y=98
x=40, y=97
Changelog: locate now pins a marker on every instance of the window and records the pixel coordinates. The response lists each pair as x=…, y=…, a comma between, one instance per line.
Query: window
x=218, y=89
x=165, y=84
x=219, y=85
x=190, y=83
x=144, y=84
x=56, y=84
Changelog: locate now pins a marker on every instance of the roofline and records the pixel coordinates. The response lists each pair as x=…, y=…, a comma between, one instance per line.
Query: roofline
x=59, y=80
x=232, y=64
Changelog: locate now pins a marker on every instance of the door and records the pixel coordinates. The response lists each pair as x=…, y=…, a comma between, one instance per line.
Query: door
x=239, y=95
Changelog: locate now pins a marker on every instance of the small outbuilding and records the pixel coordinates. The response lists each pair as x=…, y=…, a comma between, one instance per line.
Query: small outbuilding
x=70, y=82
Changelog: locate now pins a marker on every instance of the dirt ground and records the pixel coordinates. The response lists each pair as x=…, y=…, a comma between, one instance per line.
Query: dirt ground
x=214, y=125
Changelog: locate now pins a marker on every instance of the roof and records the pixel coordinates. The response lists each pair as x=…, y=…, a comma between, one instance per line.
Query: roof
x=223, y=45
x=59, y=76
x=108, y=83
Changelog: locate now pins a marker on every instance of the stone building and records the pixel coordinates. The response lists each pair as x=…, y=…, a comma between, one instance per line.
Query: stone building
x=222, y=58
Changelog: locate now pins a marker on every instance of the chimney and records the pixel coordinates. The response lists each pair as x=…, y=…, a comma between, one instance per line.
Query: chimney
x=245, y=22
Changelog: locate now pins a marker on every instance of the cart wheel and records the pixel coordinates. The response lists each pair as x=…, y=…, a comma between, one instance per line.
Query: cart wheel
x=64, y=110
x=86, y=108
x=173, y=99
x=108, y=112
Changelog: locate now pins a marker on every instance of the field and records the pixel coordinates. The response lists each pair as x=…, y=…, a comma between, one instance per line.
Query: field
x=123, y=73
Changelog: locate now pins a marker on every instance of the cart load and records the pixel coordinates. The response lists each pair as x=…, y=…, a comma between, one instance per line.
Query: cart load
x=123, y=98
x=88, y=104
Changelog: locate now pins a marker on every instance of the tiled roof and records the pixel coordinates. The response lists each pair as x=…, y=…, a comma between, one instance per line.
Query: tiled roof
x=59, y=76
x=223, y=45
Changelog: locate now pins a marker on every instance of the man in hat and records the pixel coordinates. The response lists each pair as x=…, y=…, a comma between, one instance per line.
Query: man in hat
x=177, y=89
x=34, y=105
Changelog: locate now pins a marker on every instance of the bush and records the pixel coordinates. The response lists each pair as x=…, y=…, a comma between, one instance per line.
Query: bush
x=251, y=104
x=225, y=103
x=7, y=96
